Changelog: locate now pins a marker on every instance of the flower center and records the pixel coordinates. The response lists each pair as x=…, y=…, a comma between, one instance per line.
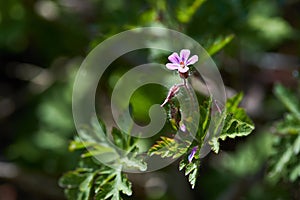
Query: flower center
x=181, y=64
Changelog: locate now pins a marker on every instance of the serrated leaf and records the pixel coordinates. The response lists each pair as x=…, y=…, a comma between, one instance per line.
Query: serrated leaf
x=119, y=184
x=235, y=124
x=182, y=164
x=233, y=127
x=125, y=186
x=215, y=145
x=191, y=169
x=169, y=147
x=92, y=179
x=193, y=177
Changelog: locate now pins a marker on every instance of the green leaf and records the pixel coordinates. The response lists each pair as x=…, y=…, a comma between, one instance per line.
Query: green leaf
x=289, y=125
x=102, y=183
x=284, y=162
x=233, y=127
x=296, y=145
x=76, y=144
x=235, y=124
x=182, y=164
x=93, y=180
x=204, y=121
x=73, y=194
x=168, y=147
x=284, y=159
x=85, y=186
x=191, y=169
x=295, y=173
x=219, y=44
x=71, y=179
x=134, y=163
x=288, y=99
x=119, y=184
x=184, y=14
x=215, y=145
x=194, y=175
x=125, y=185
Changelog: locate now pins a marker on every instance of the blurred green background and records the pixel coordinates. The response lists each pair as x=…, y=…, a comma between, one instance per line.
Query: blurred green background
x=42, y=44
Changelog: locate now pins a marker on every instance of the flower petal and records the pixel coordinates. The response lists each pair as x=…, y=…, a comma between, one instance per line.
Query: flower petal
x=184, y=55
x=182, y=127
x=174, y=58
x=192, y=154
x=192, y=60
x=183, y=70
x=172, y=66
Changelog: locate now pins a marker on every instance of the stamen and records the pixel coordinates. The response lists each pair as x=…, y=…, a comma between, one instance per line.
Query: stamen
x=182, y=64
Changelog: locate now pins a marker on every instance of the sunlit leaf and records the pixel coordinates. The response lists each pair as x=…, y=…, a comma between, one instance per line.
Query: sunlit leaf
x=236, y=122
x=168, y=147
x=219, y=44
x=191, y=170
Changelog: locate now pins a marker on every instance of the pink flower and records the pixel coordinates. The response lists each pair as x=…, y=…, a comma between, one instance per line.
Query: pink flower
x=181, y=62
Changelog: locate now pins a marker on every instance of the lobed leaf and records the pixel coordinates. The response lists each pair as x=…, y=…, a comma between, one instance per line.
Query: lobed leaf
x=93, y=180
x=169, y=147
x=236, y=122
x=191, y=169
